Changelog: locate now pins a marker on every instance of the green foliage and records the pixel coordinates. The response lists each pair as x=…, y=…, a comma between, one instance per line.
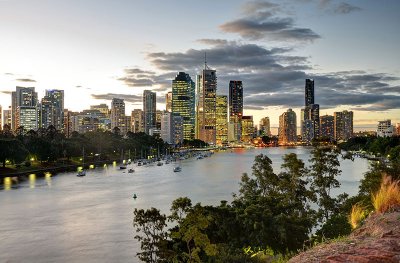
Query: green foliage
x=195, y=143
x=150, y=224
x=12, y=150
x=324, y=172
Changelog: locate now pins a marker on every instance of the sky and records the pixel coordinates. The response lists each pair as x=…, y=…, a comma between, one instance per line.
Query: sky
x=96, y=50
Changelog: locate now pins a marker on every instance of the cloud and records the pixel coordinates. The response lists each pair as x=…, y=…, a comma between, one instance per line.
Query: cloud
x=345, y=8
x=26, y=80
x=136, y=77
x=9, y=74
x=261, y=21
x=212, y=42
x=6, y=92
x=126, y=97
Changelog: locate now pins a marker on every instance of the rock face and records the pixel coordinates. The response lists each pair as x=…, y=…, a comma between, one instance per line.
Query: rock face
x=377, y=240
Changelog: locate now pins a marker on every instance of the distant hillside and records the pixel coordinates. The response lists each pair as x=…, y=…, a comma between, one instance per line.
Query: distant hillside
x=377, y=240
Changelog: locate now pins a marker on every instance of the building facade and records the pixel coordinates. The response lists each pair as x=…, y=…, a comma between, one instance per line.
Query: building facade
x=183, y=103
x=327, y=127
x=265, y=127
x=23, y=96
x=137, y=121
x=206, y=106
x=236, y=107
x=118, y=115
x=343, y=122
x=309, y=92
x=149, y=110
x=247, y=128
x=287, y=131
x=168, y=101
x=385, y=129
x=222, y=120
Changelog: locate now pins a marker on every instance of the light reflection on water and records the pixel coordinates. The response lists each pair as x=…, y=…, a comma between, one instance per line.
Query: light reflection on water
x=66, y=218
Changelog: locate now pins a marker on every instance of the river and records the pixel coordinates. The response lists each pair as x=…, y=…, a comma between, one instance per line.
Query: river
x=65, y=218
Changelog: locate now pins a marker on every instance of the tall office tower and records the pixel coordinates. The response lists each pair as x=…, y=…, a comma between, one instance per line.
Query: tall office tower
x=309, y=92
x=343, y=122
x=222, y=120
x=149, y=110
x=247, y=128
x=168, y=101
x=385, y=129
x=183, y=103
x=159, y=114
x=27, y=117
x=103, y=108
x=327, y=127
x=118, y=115
x=236, y=107
x=23, y=96
x=287, y=131
x=137, y=121
x=206, y=105
x=310, y=123
x=265, y=127
x=56, y=98
x=171, y=128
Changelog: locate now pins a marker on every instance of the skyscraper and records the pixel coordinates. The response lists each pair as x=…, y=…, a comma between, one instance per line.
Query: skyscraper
x=23, y=96
x=149, y=110
x=343, y=122
x=309, y=115
x=287, y=131
x=247, y=128
x=183, y=103
x=236, y=106
x=168, y=101
x=137, y=121
x=206, y=107
x=27, y=117
x=172, y=128
x=327, y=127
x=118, y=115
x=309, y=92
x=222, y=119
x=265, y=127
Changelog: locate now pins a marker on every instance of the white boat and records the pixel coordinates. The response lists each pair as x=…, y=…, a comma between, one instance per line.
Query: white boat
x=177, y=169
x=81, y=173
x=131, y=171
x=159, y=164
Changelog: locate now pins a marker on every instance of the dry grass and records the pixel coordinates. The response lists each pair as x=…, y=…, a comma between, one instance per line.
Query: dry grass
x=357, y=215
x=388, y=196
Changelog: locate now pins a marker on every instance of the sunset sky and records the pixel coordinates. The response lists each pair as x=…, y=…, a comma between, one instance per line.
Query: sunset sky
x=96, y=50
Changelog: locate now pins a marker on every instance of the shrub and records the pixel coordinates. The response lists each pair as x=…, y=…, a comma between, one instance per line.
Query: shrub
x=388, y=196
x=357, y=215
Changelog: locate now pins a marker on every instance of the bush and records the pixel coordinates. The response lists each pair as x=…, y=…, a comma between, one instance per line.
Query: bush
x=388, y=196
x=357, y=215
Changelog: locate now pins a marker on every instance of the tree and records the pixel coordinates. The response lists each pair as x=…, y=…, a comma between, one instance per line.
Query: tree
x=180, y=207
x=151, y=224
x=324, y=172
x=192, y=232
x=12, y=150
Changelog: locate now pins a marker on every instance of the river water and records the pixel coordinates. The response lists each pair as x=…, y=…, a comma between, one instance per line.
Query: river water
x=65, y=218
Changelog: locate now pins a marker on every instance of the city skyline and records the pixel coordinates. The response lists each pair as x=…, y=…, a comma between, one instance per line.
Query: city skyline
x=99, y=50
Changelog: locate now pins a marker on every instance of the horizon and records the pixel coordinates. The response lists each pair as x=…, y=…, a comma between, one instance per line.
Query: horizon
x=98, y=50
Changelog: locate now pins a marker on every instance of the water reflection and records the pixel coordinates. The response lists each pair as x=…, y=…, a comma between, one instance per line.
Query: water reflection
x=47, y=177
x=32, y=181
x=7, y=183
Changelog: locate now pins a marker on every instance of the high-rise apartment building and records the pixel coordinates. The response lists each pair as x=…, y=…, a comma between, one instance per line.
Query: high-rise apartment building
x=137, y=121
x=385, y=129
x=171, y=128
x=343, y=122
x=287, y=131
x=149, y=110
x=236, y=107
x=206, y=106
x=7, y=118
x=183, y=103
x=247, y=128
x=327, y=127
x=265, y=127
x=103, y=108
x=222, y=119
x=310, y=123
x=309, y=92
x=309, y=117
x=118, y=119
x=23, y=96
x=168, y=101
